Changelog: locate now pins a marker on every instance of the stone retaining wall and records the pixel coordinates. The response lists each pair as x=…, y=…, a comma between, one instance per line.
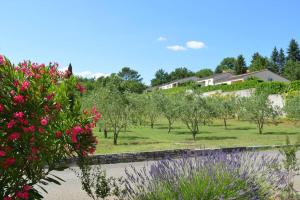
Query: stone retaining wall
x=159, y=155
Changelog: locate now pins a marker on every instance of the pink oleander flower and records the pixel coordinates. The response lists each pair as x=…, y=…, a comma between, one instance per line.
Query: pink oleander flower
x=2, y=153
x=31, y=128
x=19, y=99
x=75, y=131
x=12, y=92
x=16, y=83
x=22, y=195
x=50, y=96
x=2, y=60
x=41, y=130
x=14, y=136
x=25, y=85
x=19, y=115
x=34, y=150
x=1, y=108
x=11, y=123
x=27, y=187
x=8, y=162
x=92, y=150
x=58, y=134
x=44, y=121
x=80, y=88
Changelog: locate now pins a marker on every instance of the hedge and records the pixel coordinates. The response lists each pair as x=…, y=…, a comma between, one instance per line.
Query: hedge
x=266, y=87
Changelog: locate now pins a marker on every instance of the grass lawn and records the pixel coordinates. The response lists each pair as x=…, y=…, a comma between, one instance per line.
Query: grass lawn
x=239, y=133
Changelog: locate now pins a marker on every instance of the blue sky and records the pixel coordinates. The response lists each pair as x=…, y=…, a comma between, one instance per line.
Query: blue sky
x=102, y=36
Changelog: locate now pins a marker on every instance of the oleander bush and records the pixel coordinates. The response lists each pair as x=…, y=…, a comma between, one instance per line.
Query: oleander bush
x=41, y=123
x=218, y=175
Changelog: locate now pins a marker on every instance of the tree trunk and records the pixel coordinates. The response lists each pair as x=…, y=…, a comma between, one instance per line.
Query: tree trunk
x=105, y=132
x=170, y=126
x=225, y=123
x=260, y=127
x=194, y=135
x=115, y=136
x=152, y=124
x=204, y=122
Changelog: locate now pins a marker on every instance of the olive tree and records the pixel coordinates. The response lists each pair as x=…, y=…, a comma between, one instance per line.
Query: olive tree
x=192, y=112
x=225, y=107
x=258, y=109
x=152, y=107
x=169, y=106
x=137, y=104
x=117, y=108
x=97, y=99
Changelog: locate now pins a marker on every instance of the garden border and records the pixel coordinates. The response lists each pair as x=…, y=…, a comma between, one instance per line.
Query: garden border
x=162, y=154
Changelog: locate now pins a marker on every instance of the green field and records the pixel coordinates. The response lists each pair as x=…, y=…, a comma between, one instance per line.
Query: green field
x=239, y=133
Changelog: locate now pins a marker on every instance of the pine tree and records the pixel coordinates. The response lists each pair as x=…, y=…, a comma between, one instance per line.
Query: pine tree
x=281, y=61
x=293, y=51
x=275, y=65
x=240, y=65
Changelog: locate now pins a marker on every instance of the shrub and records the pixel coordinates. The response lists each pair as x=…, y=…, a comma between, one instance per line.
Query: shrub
x=258, y=109
x=40, y=124
x=234, y=86
x=218, y=175
x=292, y=105
x=271, y=87
x=294, y=86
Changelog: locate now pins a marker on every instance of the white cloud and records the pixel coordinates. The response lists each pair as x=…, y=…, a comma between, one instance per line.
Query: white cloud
x=88, y=74
x=176, y=48
x=195, y=44
x=161, y=38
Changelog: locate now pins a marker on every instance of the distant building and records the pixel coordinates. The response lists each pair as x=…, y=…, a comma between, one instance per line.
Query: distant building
x=225, y=78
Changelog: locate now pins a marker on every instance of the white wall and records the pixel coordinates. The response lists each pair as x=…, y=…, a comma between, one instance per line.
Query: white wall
x=276, y=99
x=164, y=87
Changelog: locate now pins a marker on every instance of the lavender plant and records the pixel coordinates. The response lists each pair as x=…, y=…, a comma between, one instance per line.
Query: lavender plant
x=217, y=175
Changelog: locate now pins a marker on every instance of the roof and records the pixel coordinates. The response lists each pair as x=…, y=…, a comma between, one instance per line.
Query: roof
x=184, y=80
x=196, y=79
x=222, y=77
x=246, y=75
x=217, y=76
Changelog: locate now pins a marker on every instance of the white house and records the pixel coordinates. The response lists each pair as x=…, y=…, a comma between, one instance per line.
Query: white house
x=226, y=78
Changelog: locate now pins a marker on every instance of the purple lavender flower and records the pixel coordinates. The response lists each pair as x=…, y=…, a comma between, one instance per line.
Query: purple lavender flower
x=214, y=175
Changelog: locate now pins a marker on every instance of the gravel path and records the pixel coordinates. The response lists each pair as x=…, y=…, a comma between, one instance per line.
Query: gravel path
x=71, y=189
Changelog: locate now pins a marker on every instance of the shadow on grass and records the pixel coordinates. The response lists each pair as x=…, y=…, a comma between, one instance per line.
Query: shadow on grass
x=280, y=133
x=216, y=125
x=128, y=137
x=186, y=132
x=138, y=143
x=240, y=128
x=213, y=138
x=166, y=127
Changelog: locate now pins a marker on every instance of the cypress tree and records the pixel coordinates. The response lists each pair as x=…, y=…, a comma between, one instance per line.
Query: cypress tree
x=240, y=65
x=275, y=65
x=293, y=51
x=281, y=61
